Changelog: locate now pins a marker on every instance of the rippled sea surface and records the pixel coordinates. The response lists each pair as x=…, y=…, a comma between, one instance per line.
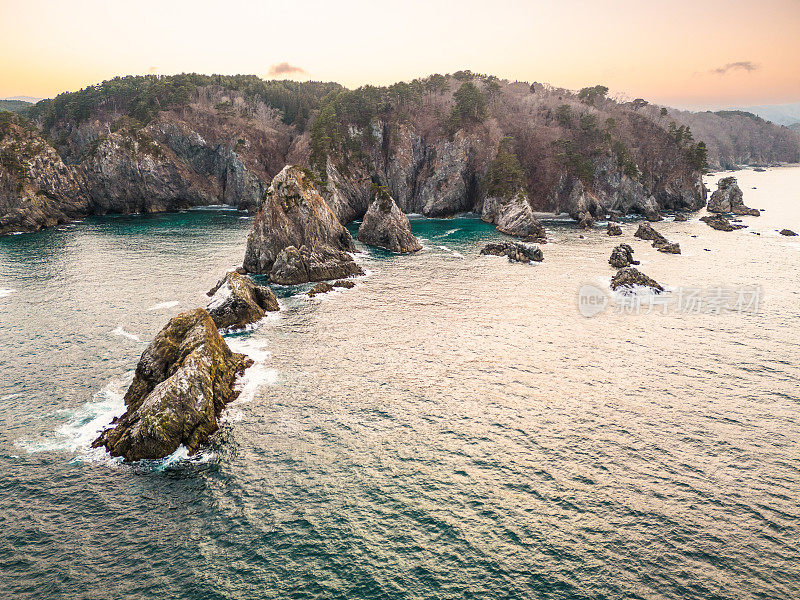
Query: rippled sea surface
x=450, y=428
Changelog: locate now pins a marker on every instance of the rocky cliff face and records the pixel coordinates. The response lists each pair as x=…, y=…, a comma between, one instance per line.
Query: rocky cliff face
x=436, y=178
x=36, y=188
x=222, y=147
x=129, y=172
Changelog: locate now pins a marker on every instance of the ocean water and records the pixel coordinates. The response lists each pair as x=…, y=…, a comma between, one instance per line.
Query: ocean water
x=453, y=427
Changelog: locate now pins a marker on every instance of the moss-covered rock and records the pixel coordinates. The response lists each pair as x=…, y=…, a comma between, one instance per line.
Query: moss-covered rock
x=183, y=380
x=622, y=256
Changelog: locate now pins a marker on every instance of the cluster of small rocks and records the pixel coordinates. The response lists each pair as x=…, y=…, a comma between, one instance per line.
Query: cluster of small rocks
x=515, y=251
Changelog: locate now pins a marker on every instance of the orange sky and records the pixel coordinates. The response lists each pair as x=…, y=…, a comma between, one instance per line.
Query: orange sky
x=671, y=52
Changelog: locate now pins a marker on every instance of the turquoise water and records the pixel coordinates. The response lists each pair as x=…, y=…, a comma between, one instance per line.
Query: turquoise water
x=450, y=428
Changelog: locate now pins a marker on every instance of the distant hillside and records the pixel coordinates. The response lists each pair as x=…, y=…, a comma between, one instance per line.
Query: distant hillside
x=782, y=114
x=795, y=127
x=441, y=145
x=734, y=137
x=14, y=106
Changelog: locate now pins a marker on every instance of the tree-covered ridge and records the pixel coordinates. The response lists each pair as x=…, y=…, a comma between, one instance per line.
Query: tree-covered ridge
x=16, y=106
x=142, y=97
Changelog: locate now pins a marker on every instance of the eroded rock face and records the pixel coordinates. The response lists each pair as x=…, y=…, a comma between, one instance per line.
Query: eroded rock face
x=515, y=251
x=628, y=277
x=236, y=301
x=36, y=188
x=622, y=256
x=297, y=226
x=514, y=216
x=720, y=223
x=728, y=198
x=613, y=229
x=129, y=172
x=385, y=226
x=183, y=380
x=294, y=266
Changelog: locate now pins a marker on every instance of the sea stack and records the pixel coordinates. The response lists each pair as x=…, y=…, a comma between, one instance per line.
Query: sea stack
x=183, y=380
x=728, y=198
x=385, y=225
x=514, y=216
x=295, y=237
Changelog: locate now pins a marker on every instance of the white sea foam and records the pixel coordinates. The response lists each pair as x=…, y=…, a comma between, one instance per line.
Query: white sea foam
x=270, y=316
x=455, y=253
x=257, y=376
x=447, y=233
x=121, y=332
x=181, y=455
x=6, y=292
x=84, y=424
x=163, y=305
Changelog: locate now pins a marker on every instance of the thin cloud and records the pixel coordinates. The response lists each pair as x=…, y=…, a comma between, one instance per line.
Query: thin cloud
x=742, y=65
x=153, y=69
x=285, y=68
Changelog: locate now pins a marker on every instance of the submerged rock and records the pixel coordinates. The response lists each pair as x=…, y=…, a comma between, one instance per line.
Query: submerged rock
x=295, y=236
x=630, y=276
x=294, y=266
x=728, y=198
x=385, y=226
x=321, y=288
x=515, y=251
x=622, y=256
x=237, y=301
x=514, y=216
x=613, y=229
x=720, y=223
x=787, y=232
x=324, y=287
x=183, y=380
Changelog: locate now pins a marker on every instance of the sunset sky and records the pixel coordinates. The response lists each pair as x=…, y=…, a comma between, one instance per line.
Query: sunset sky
x=698, y=53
